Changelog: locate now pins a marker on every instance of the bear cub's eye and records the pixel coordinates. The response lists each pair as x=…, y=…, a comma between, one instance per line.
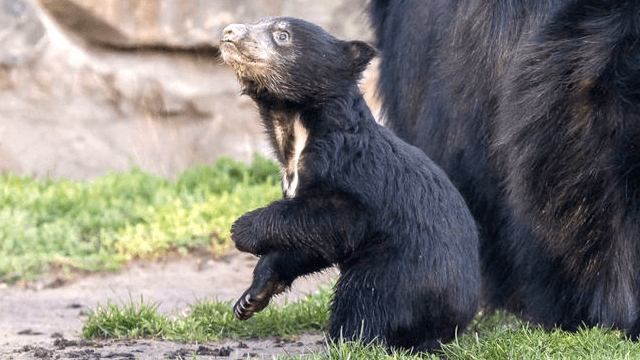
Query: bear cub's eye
x=282, y=36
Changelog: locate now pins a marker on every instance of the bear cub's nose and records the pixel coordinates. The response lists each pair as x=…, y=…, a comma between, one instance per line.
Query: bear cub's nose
x=233, y=32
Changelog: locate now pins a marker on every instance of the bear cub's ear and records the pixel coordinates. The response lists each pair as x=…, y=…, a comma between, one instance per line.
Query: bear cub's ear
x=360, y=54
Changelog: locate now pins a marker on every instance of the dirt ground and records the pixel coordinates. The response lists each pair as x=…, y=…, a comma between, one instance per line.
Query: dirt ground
x=43, y=319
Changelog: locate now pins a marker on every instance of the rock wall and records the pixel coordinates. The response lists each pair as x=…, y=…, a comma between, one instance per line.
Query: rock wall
x=92, y=86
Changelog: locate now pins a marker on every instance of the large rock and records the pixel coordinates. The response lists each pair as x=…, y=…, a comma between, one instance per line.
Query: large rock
x=87, y=86
x=190, y=22
x=153, y=22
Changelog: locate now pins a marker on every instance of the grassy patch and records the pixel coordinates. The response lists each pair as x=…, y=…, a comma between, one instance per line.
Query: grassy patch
x=99, y=224
x=207, y=320
x=133, y=320
x=505, y=337
x=501, y=336
x=357, y=350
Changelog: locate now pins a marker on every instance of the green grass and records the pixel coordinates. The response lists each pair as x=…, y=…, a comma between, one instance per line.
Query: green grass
x=100, y=224
x=501, y=336
x=495, y=336
x=207, y=320
x=522, y=342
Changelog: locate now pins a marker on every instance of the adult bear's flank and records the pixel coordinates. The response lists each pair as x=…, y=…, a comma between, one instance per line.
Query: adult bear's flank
x=533, y=110
x=354, y=195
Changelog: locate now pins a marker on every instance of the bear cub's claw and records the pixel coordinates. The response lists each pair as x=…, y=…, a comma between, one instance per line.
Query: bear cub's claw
x=256, y=298
x=243, y=309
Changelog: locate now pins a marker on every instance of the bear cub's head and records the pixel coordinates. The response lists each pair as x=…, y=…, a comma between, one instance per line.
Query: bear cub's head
x=293, y=60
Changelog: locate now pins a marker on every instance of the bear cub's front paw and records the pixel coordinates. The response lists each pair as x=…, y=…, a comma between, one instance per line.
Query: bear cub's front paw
x=243, y=235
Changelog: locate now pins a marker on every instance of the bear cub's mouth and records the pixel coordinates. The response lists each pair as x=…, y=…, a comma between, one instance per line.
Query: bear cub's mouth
x=239, y=62
x=232, y=54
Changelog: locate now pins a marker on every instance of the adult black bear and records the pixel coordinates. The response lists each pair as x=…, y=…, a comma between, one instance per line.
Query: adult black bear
x=354, y=195
x=533, y=110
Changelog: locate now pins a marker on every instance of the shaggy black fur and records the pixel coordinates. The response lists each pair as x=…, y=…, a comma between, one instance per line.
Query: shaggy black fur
x=355, y=196
x=533, y=110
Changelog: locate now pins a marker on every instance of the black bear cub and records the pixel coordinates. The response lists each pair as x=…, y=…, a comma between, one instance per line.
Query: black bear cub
x=355, y=196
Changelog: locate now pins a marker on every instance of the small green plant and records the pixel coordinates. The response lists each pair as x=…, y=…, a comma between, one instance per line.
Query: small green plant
x=100, y=224
x=133, y=320
x=358, y=350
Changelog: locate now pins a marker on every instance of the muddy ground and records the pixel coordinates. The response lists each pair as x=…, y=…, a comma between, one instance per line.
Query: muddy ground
x=43, y=319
